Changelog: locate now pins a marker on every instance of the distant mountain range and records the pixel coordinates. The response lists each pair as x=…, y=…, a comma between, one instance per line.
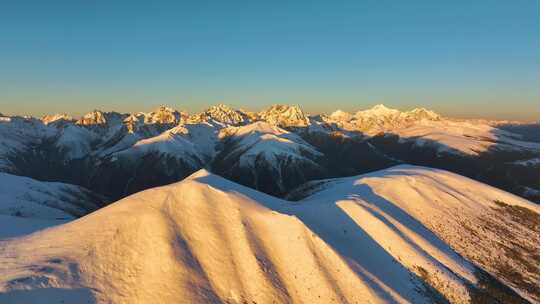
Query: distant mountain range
x=275, y=150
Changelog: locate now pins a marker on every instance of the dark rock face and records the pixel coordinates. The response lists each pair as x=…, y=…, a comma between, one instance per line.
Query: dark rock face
x=122, y=177
x=275, y=177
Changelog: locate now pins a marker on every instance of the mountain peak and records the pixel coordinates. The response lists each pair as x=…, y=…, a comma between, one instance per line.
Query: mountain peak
x=285, y=116
x=163, y=115
x=340, y=115
x=380, y=109
x=224, y=114
x=423, y=113
x=47, y=119
x=95, y=117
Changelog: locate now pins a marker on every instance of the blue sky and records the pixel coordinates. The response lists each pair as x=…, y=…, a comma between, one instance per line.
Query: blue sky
x=461, y=58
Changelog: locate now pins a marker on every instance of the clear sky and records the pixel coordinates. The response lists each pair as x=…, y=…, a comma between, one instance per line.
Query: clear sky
x=460, y=58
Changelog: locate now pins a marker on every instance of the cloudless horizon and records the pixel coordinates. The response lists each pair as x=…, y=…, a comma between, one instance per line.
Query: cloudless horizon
x=476, y=59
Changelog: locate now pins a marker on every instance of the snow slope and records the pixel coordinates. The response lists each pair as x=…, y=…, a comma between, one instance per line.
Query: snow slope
x=267, y=141
x=223, y=114
x=193, y=143
x=28, y=205
x=463, y=137
x=75, y=141
x=18, y=135
x=209, y=240
x=498, y=231
x=284, y=116
x=29, y=198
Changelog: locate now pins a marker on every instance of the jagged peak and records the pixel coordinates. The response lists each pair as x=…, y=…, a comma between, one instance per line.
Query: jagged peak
x=92, y=118
x=164, y=115
x=285, y=116
x=222, y=113
x=47, y=119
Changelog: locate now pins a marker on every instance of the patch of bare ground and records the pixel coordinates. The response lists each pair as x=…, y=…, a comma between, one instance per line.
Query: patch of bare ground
x=505, y=242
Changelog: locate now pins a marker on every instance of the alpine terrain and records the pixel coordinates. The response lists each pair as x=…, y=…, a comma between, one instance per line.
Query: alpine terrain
x=402, y=235
x=276, y=206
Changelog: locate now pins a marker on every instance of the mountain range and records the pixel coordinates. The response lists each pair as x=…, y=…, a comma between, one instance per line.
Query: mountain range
x=231, y=206
x=274, y=150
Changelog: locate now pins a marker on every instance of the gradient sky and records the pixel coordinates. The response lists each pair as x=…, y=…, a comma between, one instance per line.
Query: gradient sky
x=460, y=58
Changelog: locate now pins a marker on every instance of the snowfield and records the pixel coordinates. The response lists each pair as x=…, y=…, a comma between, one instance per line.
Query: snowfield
x=29, y=198
x=402, y=235
x=463, y=137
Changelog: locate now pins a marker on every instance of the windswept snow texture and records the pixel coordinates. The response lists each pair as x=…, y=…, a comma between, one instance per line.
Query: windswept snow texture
x=378, y=238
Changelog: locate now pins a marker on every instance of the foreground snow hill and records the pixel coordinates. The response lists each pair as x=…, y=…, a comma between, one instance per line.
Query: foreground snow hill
x=386, y=237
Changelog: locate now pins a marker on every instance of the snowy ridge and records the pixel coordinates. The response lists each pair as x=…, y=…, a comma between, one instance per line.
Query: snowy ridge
x=492, y=228
x=75, y=141
x=47, y=119
x=147, y=142
x=368, y=239
x=268, y=141
x=420, y=125
x=380, y=118
x=462, y=137
x=172, y=143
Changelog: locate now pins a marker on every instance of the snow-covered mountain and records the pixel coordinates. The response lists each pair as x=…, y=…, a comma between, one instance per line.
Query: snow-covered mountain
x=414, y=204
x=380, y=119
x=171, y=143
x=402, y=235
x=100, y=118
x=165, y=115
x=166, y=140
x=266, y=157
x=18, y=136
x=28, y=198
x=56, y=118
x=223, y=114
x=284, y=116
